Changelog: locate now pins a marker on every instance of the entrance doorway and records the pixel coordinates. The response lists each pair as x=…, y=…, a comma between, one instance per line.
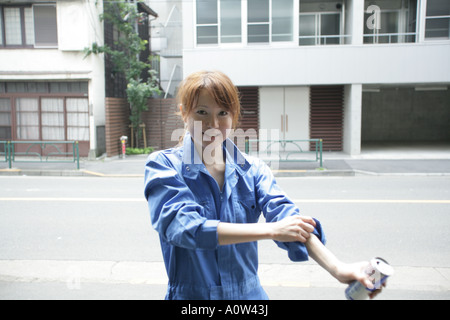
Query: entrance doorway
x=286, y=110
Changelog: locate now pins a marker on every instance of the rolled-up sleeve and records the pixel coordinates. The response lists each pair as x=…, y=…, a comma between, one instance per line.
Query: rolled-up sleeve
x=276, y=205
x=174, y=213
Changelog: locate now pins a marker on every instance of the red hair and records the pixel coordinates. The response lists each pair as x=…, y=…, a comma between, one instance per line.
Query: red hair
x=217, y=84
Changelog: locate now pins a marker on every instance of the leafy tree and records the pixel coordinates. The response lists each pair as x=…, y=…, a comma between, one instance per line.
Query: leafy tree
x=124, y=16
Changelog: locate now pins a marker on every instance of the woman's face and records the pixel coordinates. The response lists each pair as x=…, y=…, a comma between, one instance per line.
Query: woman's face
x=208, y=123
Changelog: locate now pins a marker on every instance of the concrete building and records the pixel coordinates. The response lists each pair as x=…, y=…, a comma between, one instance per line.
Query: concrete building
x=348, y=71
x=49, y=90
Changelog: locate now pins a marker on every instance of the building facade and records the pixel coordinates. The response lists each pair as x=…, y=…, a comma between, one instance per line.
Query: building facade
x=348, y=71
x=49, y=90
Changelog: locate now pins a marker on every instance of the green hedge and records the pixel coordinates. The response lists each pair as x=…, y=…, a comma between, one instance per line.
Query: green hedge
x=131, y=151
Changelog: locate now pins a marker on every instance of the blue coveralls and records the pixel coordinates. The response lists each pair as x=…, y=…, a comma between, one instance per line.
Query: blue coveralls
x=186, y=205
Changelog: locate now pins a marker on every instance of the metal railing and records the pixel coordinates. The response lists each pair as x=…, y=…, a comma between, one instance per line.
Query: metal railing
x=380, y=38
x=338, y=39
x=4, y=151
x=39, y=151
x=284, y=149
x=375, y=38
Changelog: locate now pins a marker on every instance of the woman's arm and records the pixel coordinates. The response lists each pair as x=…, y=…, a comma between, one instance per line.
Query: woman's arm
x=175, y=213
x=289, y=229
x=343, y=272
x=276, y=206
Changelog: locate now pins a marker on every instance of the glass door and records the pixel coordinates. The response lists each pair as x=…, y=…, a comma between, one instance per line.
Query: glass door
x=319, y=28
x=330, y=25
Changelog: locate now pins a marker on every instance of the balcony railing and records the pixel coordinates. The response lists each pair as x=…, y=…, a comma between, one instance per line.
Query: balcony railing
x=323, y=40
x=407, y=37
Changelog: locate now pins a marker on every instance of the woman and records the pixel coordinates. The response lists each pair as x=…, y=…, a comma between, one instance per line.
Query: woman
x=205, y=199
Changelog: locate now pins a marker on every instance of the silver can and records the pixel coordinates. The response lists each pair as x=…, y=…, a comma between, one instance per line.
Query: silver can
x=379, y=270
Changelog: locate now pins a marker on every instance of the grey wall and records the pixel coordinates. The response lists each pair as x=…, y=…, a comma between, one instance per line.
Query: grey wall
x=404, y=114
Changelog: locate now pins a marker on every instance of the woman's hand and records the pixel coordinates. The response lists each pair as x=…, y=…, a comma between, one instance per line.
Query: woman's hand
x=293, y=228
x=343, y=272
x=290, y=229
x=347, y=273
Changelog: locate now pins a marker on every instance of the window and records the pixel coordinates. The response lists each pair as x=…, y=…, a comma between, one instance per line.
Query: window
x=330, y=26
x=45, y=28
x=223, y=21
x=207, y=22
x=270, y=21
x=77, y=119
x=28, y=26
x=282, y=20
x=210, y=13
x=320, y=23
x=320, y=28
x=230, y=21
x=45, y=87
x=397, y=21
x=27, y=118
x=258, y=21
x=56, y=115
x=5, y=119
x=13, y=26
x=389, y=28
x=52, y=117
x=437, y=25
x=308, y=32
x=49, y=111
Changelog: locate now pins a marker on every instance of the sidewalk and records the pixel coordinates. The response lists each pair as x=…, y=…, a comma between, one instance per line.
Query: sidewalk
x=375, y=160
x=148, y=280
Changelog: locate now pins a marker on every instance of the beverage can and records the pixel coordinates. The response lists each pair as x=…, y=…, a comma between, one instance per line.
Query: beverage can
x=379, y=270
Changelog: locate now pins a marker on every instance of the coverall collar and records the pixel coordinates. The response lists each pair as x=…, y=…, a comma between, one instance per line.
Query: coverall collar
x=192, y=162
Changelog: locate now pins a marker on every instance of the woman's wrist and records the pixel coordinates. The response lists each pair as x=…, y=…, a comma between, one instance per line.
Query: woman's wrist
x=336, y=270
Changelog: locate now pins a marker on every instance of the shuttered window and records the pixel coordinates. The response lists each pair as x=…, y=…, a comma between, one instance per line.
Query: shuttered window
x=327, y=116
x=249, y=120
x=249, y=108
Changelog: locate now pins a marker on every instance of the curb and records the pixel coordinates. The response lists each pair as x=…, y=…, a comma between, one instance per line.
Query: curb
x=48, y=173
x=313, y=173
x=277, y=173
x=64, y=173
x=88, y=173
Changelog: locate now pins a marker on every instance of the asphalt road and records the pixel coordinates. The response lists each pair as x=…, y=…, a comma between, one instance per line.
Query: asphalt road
x=91, y=238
